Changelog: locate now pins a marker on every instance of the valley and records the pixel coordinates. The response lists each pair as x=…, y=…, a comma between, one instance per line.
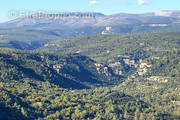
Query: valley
x=91, y=66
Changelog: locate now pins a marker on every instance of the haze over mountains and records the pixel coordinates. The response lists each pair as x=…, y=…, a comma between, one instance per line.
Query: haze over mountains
x=77, y=20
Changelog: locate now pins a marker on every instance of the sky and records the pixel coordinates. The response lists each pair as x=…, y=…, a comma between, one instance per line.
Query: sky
x=11, y=9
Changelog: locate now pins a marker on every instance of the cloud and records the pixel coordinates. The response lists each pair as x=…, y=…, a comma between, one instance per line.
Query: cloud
x=143, y=2
x=93, y=2
x=117, y=3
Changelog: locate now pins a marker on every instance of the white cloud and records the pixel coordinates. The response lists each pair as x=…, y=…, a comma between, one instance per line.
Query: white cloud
x=143, y=2
x=92, y=2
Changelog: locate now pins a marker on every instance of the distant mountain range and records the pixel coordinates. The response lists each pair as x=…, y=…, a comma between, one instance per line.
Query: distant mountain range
x=34, y=31
x=78, y=20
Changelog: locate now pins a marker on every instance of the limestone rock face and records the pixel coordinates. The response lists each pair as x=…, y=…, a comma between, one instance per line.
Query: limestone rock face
x=143, y=68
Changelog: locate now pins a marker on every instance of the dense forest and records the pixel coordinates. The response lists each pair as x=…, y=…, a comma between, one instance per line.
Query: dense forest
x=25, y=39
x=123, y=53
x=33, y=85
x=104, y=47
x=100, y=77
x=157, y=82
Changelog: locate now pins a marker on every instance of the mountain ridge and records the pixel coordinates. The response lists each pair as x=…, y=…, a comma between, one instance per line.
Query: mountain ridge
x=78, y=19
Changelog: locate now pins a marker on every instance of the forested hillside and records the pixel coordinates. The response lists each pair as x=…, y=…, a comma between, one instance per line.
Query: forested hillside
x=122, y=52
x=25, y=39
x=157, y=82
x=130, y=77
x=67, y=71
x=104, y=47
x=32, y=86
x=27, y=95
x=89, y=60
x=30, y=38
x=42, y=100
